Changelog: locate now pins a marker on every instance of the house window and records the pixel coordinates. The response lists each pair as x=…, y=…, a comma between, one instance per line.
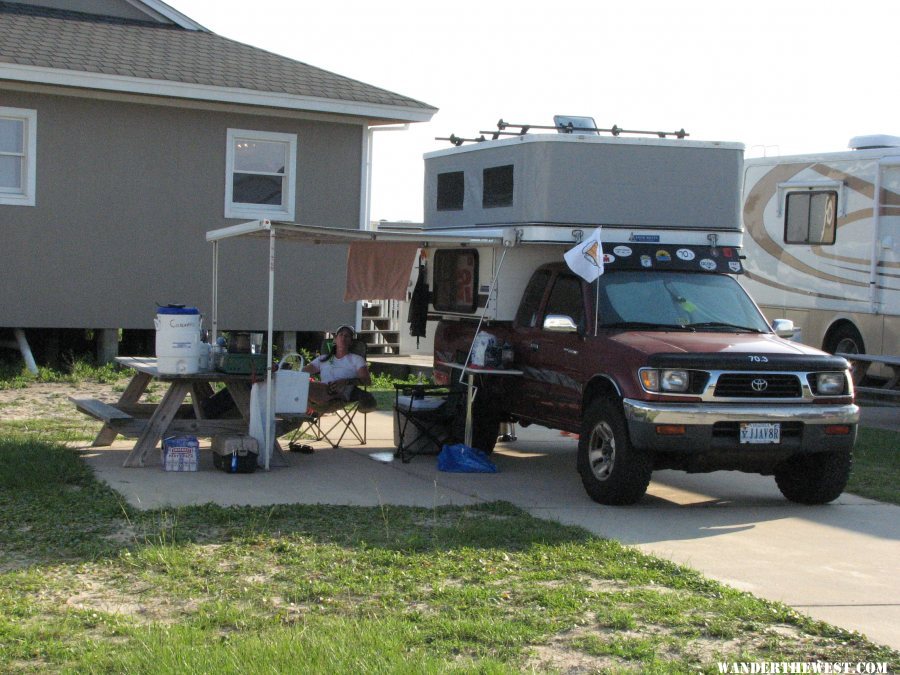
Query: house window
x=260, y=174
x=450, y=191
x=18, y=153
x=810, y=217
x=497, y=187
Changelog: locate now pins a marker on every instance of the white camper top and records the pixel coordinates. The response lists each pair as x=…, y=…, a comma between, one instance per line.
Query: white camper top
x=585, y=180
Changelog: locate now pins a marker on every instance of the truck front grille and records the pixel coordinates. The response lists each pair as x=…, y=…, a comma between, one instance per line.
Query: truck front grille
x=758, y=385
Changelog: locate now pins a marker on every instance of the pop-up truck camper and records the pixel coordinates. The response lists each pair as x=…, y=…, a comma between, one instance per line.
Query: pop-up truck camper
x=661, y=362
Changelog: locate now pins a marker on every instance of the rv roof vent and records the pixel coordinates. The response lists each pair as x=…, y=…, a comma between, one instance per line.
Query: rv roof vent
x=873, y=141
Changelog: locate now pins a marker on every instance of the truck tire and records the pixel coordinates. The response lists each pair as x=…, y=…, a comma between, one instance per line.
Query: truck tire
x=816, y=478
x=612, y=470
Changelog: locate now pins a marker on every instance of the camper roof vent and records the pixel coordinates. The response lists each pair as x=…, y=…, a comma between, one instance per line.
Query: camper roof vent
x=873, y=141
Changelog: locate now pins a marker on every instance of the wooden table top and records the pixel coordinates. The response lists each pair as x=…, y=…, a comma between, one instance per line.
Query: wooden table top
x=147, y=365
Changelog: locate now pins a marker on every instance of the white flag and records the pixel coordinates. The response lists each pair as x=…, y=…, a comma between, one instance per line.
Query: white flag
x=586, y=258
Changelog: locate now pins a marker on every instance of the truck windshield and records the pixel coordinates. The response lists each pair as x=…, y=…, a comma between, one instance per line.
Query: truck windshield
x=678, y=300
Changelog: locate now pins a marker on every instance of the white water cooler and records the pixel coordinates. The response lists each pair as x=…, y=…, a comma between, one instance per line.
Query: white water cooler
x=177, y=340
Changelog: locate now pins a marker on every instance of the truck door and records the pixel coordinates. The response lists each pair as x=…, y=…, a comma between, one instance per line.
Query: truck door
x=552, y=385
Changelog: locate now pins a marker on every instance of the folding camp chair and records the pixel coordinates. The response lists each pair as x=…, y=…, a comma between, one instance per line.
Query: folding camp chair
x=331, y=422
x=425, y=418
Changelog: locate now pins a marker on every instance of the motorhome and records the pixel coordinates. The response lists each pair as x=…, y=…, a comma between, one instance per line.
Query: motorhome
x=822, y=244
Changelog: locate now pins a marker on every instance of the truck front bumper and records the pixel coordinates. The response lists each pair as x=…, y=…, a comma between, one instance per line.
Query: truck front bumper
x=716, y=428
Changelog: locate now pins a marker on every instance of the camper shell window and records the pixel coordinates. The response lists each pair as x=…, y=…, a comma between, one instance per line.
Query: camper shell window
x=810, y=217
x=497, y=187
x=456, y=280
x=450, y=191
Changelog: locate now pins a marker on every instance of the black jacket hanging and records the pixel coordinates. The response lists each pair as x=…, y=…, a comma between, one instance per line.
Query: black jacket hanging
x=418, y=307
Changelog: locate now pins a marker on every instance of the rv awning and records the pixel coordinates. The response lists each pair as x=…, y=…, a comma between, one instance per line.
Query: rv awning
x=366, y=280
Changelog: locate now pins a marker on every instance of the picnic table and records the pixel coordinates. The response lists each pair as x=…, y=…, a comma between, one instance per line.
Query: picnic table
x=149, y=423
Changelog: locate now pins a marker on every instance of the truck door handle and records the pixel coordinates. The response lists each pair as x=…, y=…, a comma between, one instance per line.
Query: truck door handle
x=535, y=346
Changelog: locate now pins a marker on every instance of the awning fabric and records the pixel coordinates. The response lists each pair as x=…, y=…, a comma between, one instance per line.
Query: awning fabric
x=379, y=272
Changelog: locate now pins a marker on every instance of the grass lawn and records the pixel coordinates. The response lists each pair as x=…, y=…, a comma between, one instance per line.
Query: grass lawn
x=87, y=584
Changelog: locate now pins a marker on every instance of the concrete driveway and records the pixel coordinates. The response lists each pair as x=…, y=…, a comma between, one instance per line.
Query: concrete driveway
x=837, y=562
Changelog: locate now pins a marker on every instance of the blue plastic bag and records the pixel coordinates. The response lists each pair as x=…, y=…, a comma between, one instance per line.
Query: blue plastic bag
x=460, y=458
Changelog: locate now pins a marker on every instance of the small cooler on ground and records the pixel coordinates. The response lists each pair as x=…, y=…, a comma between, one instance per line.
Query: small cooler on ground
x=234, y=453
x=180, y=453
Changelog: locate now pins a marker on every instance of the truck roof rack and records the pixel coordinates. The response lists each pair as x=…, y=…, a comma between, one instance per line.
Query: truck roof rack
x=563, y=125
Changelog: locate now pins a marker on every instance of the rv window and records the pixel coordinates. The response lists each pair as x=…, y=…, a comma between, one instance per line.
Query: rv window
x=456, y=280
x=810, y=217
x=566, y=298
x=531, y=300
x=498, y=187
x=450, y=191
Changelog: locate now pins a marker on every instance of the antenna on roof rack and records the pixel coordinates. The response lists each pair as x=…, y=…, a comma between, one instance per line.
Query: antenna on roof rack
x=566, y=124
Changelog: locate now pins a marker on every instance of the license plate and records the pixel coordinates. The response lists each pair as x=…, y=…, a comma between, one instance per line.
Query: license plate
x=760, y=432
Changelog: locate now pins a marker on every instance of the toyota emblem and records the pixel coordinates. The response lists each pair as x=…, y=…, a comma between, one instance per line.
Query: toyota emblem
x=759, y=384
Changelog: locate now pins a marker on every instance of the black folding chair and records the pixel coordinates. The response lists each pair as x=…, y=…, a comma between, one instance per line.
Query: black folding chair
x=424, y=416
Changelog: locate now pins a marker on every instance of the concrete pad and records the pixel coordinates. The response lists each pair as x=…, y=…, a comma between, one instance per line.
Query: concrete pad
x=835, y=562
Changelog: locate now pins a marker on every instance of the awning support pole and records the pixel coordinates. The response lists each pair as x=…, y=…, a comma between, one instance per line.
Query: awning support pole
x=270, y=421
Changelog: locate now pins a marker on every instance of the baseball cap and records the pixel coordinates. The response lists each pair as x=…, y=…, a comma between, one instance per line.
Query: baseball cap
x=348, y=327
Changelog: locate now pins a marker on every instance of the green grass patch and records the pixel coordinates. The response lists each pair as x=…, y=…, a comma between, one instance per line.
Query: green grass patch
x=88, y=584
x=876, y=465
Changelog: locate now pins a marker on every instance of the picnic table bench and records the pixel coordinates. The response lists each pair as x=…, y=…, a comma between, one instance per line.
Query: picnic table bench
x=149, y=423
x=860, y=366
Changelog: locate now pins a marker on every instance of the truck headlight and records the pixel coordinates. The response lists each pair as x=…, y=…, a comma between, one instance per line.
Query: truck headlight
x=830, y=384
x=671, y=381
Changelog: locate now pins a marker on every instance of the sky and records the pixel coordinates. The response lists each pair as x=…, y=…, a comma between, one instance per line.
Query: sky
x=779, y=76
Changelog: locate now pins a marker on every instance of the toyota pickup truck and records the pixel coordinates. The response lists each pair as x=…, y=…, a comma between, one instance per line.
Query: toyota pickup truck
x=662, y=362
x=658, y=369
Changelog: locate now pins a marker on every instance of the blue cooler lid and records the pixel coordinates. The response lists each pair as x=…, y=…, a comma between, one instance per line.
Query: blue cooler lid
x=176, y=309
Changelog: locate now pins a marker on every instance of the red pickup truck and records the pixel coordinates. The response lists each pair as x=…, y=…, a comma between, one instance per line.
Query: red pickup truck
x=663, y=369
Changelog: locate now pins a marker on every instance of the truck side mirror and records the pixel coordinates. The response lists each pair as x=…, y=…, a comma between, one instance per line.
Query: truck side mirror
x=560, y=323
x=784, y=328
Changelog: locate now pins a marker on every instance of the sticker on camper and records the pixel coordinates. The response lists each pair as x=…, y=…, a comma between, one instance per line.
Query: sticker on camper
x=708, y=265
x=734, y=266
x=662, y=255
x=608, y=259
x=646, y=261
x=622, y=251
x=685, y=254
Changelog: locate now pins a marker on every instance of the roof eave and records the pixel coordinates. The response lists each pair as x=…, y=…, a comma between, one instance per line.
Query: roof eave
x=201, y=92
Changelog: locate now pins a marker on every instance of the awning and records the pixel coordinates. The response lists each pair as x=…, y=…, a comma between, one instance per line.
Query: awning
x=317, y=235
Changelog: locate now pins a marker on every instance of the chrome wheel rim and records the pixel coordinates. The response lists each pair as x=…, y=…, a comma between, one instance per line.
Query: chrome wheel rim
x=602, y=451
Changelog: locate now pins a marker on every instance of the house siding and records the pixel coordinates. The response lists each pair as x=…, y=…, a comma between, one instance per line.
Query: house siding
x=125, y=194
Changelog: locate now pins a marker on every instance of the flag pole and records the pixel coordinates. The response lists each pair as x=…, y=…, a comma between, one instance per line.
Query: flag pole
x=596, y=306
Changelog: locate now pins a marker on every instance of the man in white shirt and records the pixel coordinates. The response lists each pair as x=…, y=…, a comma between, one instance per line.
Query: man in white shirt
x=341, y=372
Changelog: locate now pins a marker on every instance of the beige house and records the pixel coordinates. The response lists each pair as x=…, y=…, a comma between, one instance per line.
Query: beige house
x=127, y=131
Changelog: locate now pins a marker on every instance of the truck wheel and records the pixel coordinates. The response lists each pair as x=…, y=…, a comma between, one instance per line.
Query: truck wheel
x=845, y=340
x=816, y=478
x=612, y=470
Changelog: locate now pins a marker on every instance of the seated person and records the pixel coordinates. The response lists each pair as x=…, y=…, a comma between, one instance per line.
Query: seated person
x=340, y=373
